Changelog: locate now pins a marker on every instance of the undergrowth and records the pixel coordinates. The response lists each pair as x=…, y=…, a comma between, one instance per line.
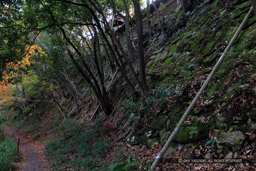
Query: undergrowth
x=123, y=165
x=8, y=153
x=78, y=149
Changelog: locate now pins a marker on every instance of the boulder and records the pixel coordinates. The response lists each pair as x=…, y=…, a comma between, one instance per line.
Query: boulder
x=188, y=154
x=249, y=122
x=231, y=138
x=221, y=122
x=253, y=144
x=133, y=140
x=229, y=155
x=252, y=114
x=162, y=132
x=192, y=134
x=235, y=155
x=158, y=123
x=164, y=137
x=208, y=156
x=170, y=150
x=151, y=142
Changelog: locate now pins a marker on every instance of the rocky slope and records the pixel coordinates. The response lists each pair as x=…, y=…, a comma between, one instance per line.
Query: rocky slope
x=222, y=125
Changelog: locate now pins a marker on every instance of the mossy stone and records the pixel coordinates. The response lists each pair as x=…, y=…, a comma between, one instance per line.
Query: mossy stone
x=167, y=62
x=232, y=138
x=143, y=140
x=158, y=123
x=183, y=136
x=164, y=137
x=209, y=47
x=192, y=134
x=162, y=55
x=151, y=142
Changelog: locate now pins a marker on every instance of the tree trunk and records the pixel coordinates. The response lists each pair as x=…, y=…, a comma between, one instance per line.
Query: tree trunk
x=104, y=101
x=99, y=26
x=148, y=19
x=130, y=48
x=139, y=30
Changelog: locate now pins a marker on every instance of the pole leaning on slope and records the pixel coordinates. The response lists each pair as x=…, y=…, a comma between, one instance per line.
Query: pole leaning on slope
x=193, y=103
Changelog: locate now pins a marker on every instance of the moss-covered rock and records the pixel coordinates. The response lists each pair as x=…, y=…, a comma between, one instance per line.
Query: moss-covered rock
x=161, y=56
x=133, y=139
x=183, y=135
x=164, y=137
x=151, y=142
x=158, y=123
x=192, y=134
x=232, y=138
x=143, y=140
x=174, y=118
x=193, y=51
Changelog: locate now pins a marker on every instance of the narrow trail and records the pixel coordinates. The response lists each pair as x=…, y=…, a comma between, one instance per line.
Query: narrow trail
x=32, y=153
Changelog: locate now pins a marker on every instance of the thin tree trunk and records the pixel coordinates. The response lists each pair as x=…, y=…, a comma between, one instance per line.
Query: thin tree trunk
x=130, y=48
x=98, y=24
x=96, y=55
x=60, y=107
x=119, y=63
x=105, y=103
x=148, y=19
x=139, y=30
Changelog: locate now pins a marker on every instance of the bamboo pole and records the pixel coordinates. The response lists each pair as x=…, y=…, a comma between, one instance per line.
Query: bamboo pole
x=193, y=103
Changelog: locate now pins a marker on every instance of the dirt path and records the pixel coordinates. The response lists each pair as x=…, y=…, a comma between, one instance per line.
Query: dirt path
x=33, y=157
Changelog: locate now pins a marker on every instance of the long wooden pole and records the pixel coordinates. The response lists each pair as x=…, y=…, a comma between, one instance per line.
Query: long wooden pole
x=193, y=103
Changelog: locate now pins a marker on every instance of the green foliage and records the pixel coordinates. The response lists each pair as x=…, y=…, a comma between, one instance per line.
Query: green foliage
x=192, y=133
x=130, y=107
x=158, y=123
x=148, y=166
x=193, y=130
x=157, y=98
x=117, y=5
x=78, y=149
x=162, y=6
x=151, y=104
x=213, y=141
x=1, y=134
x=13, y=49
x=3, y=118
x=8, y=151
x=28, y=125
x=123, y=165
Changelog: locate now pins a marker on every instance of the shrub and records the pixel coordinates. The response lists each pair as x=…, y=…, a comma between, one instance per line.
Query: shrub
x=123, y=165
x=77, y=149
x=8, y=151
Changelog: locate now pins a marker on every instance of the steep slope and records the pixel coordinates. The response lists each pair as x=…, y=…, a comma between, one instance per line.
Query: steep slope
x=185, y=63
x=222, y=125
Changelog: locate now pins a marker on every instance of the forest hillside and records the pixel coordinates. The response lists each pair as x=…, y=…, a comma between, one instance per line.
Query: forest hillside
x=103, y=85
